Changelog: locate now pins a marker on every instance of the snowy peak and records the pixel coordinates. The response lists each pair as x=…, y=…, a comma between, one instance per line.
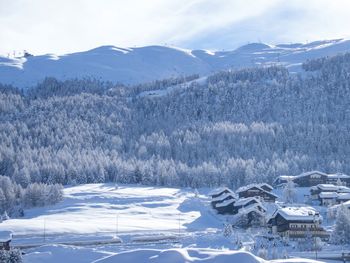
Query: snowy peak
x=144, y=64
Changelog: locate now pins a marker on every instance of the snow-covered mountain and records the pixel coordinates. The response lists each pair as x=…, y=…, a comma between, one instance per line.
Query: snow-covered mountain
x=144, y=64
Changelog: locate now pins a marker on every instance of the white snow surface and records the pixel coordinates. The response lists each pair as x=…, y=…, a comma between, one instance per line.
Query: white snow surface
x=95, y=208
x=55, y=254
x=144, y=64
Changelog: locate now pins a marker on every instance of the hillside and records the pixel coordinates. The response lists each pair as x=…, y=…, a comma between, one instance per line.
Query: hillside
x=231, y=128
x=144, y=64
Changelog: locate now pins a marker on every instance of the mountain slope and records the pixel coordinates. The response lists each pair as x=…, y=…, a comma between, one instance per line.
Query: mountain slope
x=144, y=64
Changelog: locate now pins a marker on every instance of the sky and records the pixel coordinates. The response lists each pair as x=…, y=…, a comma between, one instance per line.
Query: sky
x=66, y=26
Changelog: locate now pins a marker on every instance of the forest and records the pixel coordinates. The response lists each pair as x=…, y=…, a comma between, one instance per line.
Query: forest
x=234, y=128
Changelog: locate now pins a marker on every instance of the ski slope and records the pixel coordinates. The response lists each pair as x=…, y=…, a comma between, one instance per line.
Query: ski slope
x=144, y=64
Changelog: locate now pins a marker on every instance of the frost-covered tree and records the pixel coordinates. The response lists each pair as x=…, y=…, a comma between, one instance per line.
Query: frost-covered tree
x=228, y=231
x=341, y=232
x=289, y=192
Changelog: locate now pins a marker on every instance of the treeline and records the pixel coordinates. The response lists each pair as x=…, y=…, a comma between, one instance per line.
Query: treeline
x=237, y=127
x=14, y=198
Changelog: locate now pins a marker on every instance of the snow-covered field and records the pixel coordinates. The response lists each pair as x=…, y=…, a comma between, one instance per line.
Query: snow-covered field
x=154, y=224
x=103, y=208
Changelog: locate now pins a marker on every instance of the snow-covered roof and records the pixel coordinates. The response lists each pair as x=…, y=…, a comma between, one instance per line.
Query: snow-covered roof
x=324, y=195
x=305, y=213
x=252, y=208
x=266, y=185
x=244, y=201
x=220, y=190
x=338, y=176
x=331, y=187
x=223, y=196
x=310, y=173
x=343, y=196
x=249, y=186
x=5, y=236
x=328, y=187
x=225, y=203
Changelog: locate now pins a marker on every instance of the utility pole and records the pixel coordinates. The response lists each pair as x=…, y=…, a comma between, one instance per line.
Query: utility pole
x=44, y=230
x=116, y=225
x=179, y=223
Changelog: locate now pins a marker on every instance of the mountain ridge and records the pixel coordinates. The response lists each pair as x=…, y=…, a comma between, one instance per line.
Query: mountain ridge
x=137, y=65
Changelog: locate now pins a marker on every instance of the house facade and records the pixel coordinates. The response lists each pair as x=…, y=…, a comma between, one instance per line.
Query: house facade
x=297, y=222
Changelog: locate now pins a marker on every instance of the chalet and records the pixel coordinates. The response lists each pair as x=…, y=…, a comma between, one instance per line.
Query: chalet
x=223, y=197
x=328, y=198
x=309, y=179
x=217, y=192
x=245, y=202
x=254, y=212
x=316, y=190
x=5, y=239
x=313, y=178
x=226, y=207
x=329, y=194
x=343, y=198
x=297, y=222
x=338, y=179
x=257, y=190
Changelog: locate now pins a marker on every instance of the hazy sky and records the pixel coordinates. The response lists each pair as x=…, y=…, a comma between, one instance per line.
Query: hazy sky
x=62, y=26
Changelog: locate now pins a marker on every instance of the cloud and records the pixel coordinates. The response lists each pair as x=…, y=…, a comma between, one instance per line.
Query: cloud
x=62, y=26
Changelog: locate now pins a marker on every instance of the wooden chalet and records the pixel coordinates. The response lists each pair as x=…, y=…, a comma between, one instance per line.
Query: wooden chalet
x=257, y=190
x=297, y=222
x=5, y=239
x=245, y=202
x=339, y=179
x=219, y=191
x=329, y=194
x=328, y=198
x=313, y=178
x=226, y=207
x=222, y=198
x=254, y=212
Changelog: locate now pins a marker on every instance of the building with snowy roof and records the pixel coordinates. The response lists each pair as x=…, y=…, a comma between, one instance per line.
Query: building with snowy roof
x=313, y=178
x=297, y=222
x=257, y=190
x=5, y=239
x=219, y=191
x=222, y=198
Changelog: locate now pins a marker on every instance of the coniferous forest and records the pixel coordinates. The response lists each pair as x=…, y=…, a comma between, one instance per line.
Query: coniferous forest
x=234, y=128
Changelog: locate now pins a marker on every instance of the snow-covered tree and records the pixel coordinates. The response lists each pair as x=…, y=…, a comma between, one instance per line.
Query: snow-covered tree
x=341, y=232
x=227, y=232
x=289, y=192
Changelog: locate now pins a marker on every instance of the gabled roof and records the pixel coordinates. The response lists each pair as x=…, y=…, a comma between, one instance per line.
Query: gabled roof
x=223, y=196
x=266, y=185
x=325, y=195
x=310, y=173
x=328, y=187
x=331, y=187
x=258, y=186
x=225, y=203
x=244, y=201
x=220, y=190
x=5, y=236
x=338, y=176
x=343, y=196
x=252, y=208
x=305, y=213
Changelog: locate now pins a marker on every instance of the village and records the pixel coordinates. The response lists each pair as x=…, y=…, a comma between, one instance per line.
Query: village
x=297, y=211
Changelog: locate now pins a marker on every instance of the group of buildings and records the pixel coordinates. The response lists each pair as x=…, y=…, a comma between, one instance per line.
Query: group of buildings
x=247, y=200
x=290, y=222
x=329, y=194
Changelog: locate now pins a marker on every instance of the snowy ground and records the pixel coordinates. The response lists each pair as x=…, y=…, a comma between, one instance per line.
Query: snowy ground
x=150, y=219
